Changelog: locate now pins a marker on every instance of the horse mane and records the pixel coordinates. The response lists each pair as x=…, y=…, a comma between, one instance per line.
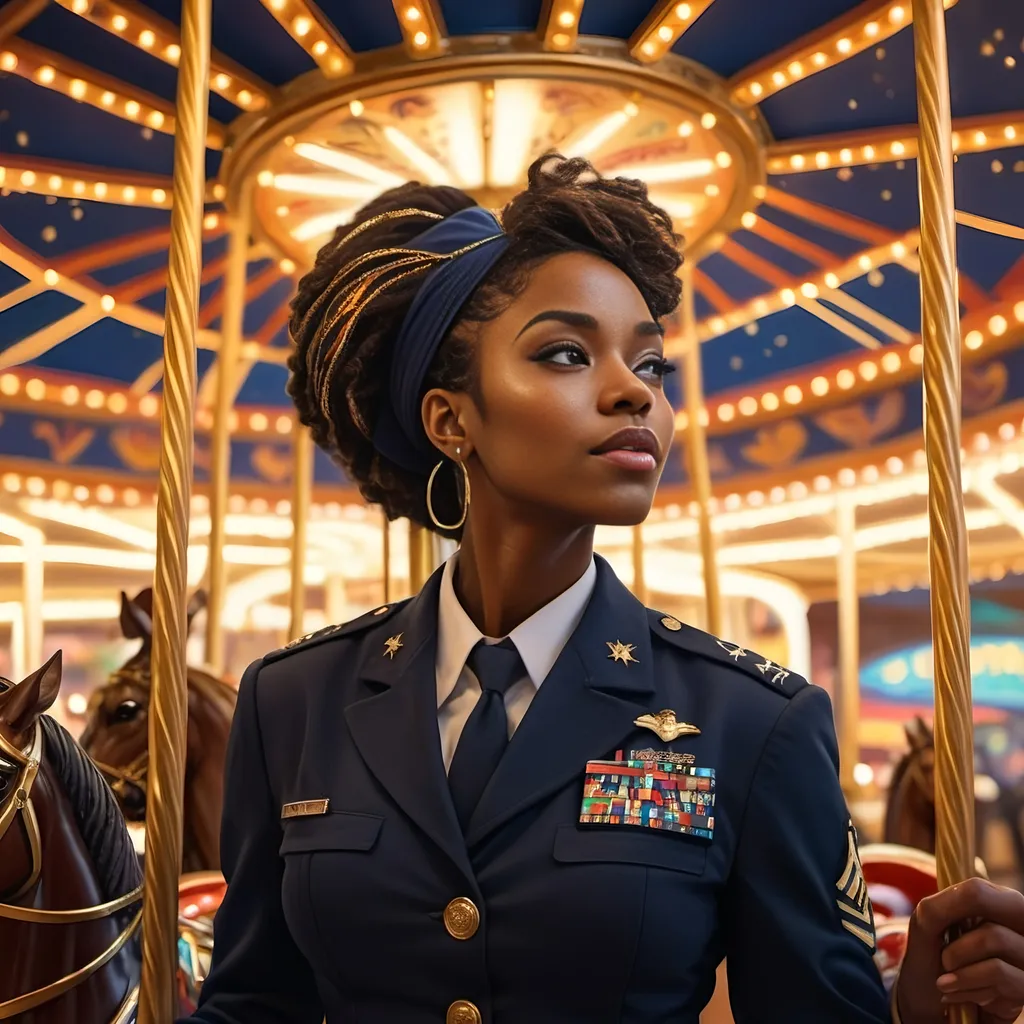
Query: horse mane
x=97, y=815
x=214, y=689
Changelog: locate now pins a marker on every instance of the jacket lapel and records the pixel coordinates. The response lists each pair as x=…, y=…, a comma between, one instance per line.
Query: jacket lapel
x=396, y=732
x=584, y=708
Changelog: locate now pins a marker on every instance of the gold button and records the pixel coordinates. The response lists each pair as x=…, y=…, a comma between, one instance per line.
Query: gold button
x=381, y=610
x=462, y=919
x=669, y=623
x=462, y=1011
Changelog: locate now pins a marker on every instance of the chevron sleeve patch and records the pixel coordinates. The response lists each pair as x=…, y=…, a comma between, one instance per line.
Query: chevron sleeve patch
x=855, y=913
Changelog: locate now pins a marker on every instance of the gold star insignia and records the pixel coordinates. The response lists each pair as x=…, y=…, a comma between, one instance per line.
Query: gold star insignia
x=622, y=652
x=391, y=646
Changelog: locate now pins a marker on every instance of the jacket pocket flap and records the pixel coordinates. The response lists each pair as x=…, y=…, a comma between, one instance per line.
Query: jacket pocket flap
x=630, y=844
x=339, y=830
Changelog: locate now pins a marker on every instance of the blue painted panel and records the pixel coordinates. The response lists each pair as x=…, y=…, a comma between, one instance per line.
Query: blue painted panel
x=26, y=217
x=735, y=33
x=60, y=128
x=265, y=385
x=784, y=341
x=364, y=26
x=108, y=347
x=252, y=37
x=32, y=315
x=465, y=17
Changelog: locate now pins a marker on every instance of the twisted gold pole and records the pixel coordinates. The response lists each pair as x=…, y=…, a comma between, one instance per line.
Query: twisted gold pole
x=947, y=549
x=167, y=708
x=302, y=488
x=231, y=324
x=700, y=471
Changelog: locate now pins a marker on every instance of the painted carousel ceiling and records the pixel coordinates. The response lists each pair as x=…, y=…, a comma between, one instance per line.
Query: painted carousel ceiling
x=781, y=138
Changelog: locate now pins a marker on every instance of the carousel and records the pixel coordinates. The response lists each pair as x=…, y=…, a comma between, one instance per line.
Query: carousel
x=846, y=495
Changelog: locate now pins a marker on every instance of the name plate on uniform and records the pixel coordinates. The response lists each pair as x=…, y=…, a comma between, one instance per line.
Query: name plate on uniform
x=305, y=808
x=665, y=795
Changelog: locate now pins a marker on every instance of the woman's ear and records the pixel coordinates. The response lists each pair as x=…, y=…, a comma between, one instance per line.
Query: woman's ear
x=443, y=416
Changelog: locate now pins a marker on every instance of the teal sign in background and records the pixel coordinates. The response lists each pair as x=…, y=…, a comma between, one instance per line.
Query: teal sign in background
x=905, y=676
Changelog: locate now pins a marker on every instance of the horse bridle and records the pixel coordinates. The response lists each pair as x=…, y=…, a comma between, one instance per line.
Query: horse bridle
x=135, y=774
x=27, y=765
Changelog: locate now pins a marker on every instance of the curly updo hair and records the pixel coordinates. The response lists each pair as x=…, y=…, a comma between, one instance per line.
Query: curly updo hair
x=567, y=206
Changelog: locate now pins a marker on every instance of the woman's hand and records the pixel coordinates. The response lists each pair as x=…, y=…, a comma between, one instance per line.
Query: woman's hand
x=984, y=966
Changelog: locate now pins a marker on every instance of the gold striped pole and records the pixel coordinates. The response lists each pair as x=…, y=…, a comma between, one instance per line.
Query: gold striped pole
x=301, y=500
x=947, y=547
x=231, y=329
x=167, y=709
x=700, y=471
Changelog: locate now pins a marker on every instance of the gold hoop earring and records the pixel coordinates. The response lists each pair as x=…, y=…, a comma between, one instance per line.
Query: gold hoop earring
x=465, y=500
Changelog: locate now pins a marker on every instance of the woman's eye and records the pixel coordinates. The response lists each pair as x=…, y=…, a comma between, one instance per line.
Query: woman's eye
x=655, y=368
x=564, y=354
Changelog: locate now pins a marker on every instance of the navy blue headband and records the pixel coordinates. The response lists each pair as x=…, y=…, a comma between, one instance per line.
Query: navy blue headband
x=399, y=431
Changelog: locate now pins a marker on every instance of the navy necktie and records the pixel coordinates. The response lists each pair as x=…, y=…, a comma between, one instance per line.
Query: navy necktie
x=485, y=735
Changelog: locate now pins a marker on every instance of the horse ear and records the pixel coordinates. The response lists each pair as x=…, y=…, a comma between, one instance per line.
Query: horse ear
x=915, y=732
x=21, y=705
x=196, y=605
x=144, y=601
x=136, y=622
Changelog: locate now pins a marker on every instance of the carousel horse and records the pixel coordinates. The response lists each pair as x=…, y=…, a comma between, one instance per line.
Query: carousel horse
x=70, y=883
x=116, y=736
x=910, y=808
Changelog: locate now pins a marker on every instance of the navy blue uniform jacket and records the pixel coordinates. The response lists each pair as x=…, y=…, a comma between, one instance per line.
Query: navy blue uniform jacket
x=342, y=913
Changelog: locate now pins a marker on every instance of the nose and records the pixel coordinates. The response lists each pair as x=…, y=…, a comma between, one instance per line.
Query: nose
x=622, y=391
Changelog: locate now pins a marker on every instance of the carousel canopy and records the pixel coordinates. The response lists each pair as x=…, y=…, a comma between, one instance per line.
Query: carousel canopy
x=781, y=138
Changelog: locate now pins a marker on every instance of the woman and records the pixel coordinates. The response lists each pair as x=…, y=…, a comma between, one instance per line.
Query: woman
x=421, y=822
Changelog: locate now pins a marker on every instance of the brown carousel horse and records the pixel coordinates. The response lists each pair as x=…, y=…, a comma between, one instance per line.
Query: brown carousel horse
x=116, y=736
x=70, y=883
x=910, y=809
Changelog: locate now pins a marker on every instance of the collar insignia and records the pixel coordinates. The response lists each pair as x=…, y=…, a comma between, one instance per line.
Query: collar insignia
x=391, y=646
x=622, y=652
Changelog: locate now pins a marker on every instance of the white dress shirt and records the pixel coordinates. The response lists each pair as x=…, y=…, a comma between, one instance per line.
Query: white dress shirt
x=539, y=640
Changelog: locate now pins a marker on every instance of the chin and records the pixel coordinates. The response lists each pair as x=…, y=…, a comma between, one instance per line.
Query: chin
x=628, y=510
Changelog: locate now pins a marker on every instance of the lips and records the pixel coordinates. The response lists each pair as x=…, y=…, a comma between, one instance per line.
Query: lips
x=632, y=439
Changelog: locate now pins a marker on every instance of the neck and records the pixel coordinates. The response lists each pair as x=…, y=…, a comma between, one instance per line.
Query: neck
x=508, y=570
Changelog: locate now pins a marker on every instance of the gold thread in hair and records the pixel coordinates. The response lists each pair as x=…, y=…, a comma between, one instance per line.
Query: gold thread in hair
x=356, y=304
x=380, y=218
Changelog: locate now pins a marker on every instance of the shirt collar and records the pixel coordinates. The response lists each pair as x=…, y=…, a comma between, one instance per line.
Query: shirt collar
x=539, y=639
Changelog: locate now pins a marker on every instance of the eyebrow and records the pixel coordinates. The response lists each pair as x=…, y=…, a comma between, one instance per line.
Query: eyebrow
x=587, y=322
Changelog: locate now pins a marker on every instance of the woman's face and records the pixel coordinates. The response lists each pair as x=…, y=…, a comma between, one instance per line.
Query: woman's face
x=575, y=423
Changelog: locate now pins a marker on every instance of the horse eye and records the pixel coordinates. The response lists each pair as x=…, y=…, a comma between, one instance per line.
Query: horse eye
x=126, y=711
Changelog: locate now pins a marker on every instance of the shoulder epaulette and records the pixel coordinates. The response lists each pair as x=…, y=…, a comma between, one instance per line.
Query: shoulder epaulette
x=765, y=671
x=363, y=622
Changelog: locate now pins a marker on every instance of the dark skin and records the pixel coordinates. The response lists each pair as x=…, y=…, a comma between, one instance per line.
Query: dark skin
x=553, y=388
